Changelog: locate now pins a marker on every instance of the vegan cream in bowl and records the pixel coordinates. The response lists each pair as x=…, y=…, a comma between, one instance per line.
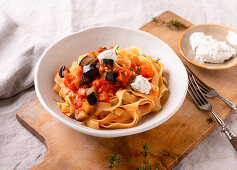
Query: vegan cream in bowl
x=209, y=46
x=210, y=50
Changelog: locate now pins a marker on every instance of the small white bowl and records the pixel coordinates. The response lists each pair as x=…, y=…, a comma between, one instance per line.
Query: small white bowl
x=67, y=50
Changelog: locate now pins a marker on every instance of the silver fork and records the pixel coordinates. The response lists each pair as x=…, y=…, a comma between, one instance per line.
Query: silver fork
x=203, y=104
x=209, y=91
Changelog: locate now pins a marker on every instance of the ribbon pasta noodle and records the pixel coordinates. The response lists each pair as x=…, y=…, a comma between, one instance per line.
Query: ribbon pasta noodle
x=98, y=89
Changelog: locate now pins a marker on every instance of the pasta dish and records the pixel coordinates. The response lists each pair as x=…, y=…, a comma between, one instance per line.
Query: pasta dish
x=111, y=88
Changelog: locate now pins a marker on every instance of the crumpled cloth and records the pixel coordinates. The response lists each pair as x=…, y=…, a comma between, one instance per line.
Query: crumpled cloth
x=19, y=53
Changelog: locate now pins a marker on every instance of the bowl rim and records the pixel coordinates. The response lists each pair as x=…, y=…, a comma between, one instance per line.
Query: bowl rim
x=198, y=64
x=116, y=132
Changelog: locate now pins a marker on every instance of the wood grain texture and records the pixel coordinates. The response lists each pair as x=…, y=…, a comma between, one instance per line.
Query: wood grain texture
x=170, y=142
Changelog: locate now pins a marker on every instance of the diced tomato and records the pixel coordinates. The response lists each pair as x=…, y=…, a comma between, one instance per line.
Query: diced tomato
x=81, y=91
x=135, y=62
x=105, y=89
x=73, y=82
x=99, y=82
x=68, y=80
x=79, y=97
x=145, y=70
x=125, y=75
x=142, y=69
x=100, y=49
x=79, y=72
x=103, y=96
x=78, y=103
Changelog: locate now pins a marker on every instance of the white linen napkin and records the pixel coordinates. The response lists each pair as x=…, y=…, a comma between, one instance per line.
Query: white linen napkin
x=19, y=52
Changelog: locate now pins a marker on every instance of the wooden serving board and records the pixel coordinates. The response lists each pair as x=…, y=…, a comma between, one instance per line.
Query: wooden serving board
x=169, y=143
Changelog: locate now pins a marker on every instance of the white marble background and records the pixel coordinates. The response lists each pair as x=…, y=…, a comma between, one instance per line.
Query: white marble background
x=51, y=20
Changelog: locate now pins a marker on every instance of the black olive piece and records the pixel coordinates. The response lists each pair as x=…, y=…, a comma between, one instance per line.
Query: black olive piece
x=105, y=48
x=108, y=62
x=91, y=96
x=90, y=70
x=61, y=71
x=111, y=76
x=87, y=60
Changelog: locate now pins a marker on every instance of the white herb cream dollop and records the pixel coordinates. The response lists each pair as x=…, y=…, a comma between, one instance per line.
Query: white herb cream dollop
x=210, y=50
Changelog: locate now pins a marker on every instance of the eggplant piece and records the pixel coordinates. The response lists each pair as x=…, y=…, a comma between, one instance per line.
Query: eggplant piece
x=111, y=76
x=90, y=70
x=63, y=71
x=85, y=80
x=91, y=96
x=87, y=60
x=108, y=62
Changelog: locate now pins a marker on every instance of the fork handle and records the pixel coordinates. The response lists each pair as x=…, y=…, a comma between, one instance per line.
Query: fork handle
x=231, y=136
x=234, y=142
x=232, y=105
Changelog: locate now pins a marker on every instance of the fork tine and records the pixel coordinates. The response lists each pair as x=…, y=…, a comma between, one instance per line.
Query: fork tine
x=196, y=91
x=204, y=89
x=203, y=98
x=190, y=93
x=200, y=82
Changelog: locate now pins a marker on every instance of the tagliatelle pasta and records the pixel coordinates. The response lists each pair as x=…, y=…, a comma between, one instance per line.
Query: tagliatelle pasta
x=111, y=88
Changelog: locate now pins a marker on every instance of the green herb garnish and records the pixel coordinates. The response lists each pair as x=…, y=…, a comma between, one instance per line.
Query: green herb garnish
x=114, y=161
x=138, y=70
x=174, y=23
x=69, y=104
x=112, y=104
x=144, y=153
x=129, y=92
x=122, y=72
x=155, y=20
x=123, y=102
x=131, y=69
x=129, y=79
x=116, y=50
x=109, y=85
x=157, y=60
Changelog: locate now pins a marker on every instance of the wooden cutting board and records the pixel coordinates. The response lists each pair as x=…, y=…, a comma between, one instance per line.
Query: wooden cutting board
x=169, y=143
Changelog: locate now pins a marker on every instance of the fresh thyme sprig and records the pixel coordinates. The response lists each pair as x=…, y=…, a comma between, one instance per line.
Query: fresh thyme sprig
x=144, y=153
x=172, y=24
x=114, y=161
x=176, y=24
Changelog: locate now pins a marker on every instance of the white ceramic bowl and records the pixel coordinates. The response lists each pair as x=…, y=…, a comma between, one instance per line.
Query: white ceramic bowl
x=67, y=50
